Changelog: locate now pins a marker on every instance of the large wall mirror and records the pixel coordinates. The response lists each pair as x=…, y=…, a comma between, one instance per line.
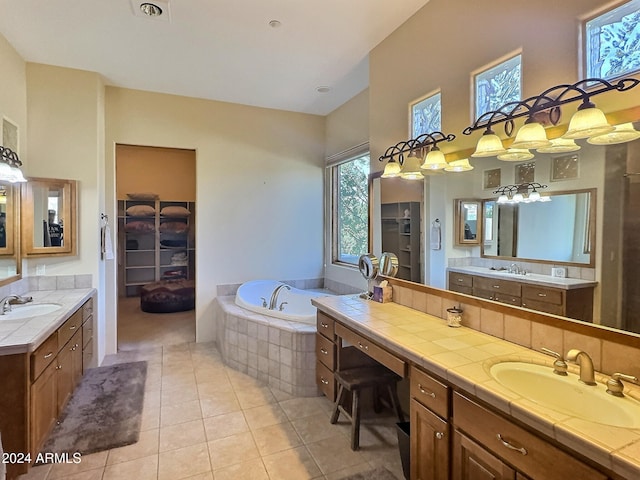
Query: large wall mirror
x=49, y=217
x=561, y=231
x=591, y=225
x=9, y=233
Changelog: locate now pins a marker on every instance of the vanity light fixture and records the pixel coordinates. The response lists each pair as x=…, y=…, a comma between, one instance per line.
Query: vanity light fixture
x=10, y=166
x=404, y=158
x=522, y=193
x=544, y=109
x=461, y=165
x=622, y=133
x=516, y=155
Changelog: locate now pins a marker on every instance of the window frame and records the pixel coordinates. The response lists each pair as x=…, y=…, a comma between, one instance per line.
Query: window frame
x=336, y=257
x=490, y=66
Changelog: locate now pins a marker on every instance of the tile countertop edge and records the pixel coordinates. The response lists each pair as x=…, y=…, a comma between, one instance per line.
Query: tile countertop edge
x=488, y=391
x=533, y=279
x=71, y=300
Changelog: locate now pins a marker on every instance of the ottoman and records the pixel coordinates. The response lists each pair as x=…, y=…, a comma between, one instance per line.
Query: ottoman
x=168, y=296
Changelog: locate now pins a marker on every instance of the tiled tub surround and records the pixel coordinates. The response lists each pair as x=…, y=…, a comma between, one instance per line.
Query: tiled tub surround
x=463, y=356
x=277, y=352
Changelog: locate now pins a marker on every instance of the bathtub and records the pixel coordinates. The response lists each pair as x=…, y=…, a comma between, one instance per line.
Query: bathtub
x=297, y=308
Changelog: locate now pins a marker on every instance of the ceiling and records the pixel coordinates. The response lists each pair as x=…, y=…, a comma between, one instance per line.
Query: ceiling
x=214, y=49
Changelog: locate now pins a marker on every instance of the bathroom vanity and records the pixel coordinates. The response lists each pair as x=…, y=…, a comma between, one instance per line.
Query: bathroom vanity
x=42, y=359
x=566, y=297
x=464, y=424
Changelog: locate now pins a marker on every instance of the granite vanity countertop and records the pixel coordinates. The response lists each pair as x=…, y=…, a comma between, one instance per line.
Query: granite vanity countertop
x=532, y=278
x=26, y=334
x=463, y=357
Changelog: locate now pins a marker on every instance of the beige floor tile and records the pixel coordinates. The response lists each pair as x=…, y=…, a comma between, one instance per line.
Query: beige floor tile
x=280, y=395
x=225, y=425
x=345, y=472
x=151, y=399
x=180, y=413
x=300, y=407
x=181, y=435
x=145, y=468
x=294, y=464
x=176, y=395
x=232, y=450
x=146, y=446
x=254, y=397
x=88, y=462
x=201, y=476
x=219, y=403
x=314, y=428
x=334, y=454
x=37, y=473
x=250, y=470
x=259, y=417
x=389, y=460
x=209, y=388
x=184, y=462
x=276, y=438
x=210, y=374
x=150, y=419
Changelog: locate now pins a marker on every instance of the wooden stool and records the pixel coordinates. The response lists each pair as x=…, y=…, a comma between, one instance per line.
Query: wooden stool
x=356, y=379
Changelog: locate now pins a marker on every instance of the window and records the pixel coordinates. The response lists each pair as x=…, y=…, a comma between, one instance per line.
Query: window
x=498, y=85
x=612, y=42
x=351, y=210
x=426, y=115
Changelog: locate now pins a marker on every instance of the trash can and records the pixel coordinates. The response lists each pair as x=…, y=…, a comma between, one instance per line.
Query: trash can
x=404, y=445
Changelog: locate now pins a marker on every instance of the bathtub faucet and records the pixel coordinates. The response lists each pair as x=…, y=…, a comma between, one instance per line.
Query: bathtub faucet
x=274, y=296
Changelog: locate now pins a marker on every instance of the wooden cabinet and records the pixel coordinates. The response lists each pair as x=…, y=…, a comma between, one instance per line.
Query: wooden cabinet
x=401, y=235
x=472, y=462
x=43, y=410
x=430, y=442
x=87, y=335
x=326, y=356
x=573, y=303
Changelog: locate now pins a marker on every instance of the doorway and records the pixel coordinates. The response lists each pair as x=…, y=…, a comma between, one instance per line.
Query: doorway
x=155, y=192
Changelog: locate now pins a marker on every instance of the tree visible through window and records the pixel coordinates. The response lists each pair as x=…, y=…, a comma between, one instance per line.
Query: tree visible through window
x=351, y=210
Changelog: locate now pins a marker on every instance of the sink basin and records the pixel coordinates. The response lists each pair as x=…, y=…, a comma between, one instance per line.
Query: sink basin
x=30, y=310
x=567, y=395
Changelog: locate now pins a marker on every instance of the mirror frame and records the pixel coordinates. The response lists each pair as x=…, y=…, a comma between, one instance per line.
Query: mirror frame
x=593, y=206
x=12, y=220
x=69, y=192
x=459, y=221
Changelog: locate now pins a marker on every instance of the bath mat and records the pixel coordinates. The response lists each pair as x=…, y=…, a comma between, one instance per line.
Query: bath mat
x=104, y=412
x=379, y=473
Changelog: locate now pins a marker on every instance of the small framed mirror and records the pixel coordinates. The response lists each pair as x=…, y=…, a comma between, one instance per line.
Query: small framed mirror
x=49, y=217
x=9, y=233
x=468, y=224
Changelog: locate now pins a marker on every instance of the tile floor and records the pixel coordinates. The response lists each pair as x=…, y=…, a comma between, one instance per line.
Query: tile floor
x=203, y=421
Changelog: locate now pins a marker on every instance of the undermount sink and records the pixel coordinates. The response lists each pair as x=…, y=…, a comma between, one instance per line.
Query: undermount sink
x=567, y=395
x=28, y=310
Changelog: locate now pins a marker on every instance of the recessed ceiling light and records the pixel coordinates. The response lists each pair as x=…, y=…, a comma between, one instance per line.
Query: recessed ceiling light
x=275, y=23
x=323, y=89
x=150, y=9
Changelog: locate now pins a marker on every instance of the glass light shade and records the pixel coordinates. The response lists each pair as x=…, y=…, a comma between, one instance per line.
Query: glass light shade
x=531, y=135
x=434, y=160
x=489, y=145
x=391, y=169
x=622, y=133
x=518, y=198
x=411, y=169
x=587, y=122
x=515, y=155
x=534, y=196
x=459, y=166
x=10, y=174
x=503, y=199
x=545, y=199
x=560, y=145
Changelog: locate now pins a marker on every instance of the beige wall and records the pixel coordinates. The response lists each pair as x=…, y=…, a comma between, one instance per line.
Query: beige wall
x=170, y=173
x=258, y=189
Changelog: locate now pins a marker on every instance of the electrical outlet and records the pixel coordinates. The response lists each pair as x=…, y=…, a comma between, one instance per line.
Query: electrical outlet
x=41, y=269
x=559, y=272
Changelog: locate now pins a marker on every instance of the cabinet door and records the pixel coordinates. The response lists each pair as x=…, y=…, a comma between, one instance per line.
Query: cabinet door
x=44, y=406
x=429, y=444
x=472, y=462
x=64, y=373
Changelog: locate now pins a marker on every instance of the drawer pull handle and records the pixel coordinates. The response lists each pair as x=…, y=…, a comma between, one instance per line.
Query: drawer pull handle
x=542, y=294
x=324, y=325
x=422, y=390
x=366, y=347
x=48, y=355
x=439, y=435
x=461, y=280
x=496, y=286
x=522, y=450
x=324, y=381
x=324, y=352
x=72, y=327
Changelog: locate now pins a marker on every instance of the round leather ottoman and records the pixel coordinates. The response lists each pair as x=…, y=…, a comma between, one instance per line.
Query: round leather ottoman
x=168, y=296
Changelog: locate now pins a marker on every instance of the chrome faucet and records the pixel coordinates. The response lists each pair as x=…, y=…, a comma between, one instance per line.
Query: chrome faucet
x=6, y=302
x=516, y=269
x=586, y=365
x=274, y=296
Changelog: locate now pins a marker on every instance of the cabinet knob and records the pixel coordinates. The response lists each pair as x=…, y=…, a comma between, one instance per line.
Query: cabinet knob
x=324, y=352
x=510, y=446
x=422, y=390
x=324, y=325
x=326, y=382
x=59, y=367
x=439, y=435
x=366, y=347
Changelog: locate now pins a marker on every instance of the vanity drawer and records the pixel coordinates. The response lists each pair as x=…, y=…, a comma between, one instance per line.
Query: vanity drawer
x=528, y=453
x=506, y=298
x=325, y=381
x=543, y=306
x=430, y=392
x=43, y=356
x=541, y=294
x=87, y=309
x=68, y=328
x=379, y=354
x=87, y=332
x=460, y=279
x=326, y=326
x=506, y=287
x=326, y=352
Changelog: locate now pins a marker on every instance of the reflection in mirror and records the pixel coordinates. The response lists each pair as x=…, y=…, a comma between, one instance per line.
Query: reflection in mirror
x=559, y=231
x=468, y=222
x=9, y=206
x=388, y=264
x=48, y=213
